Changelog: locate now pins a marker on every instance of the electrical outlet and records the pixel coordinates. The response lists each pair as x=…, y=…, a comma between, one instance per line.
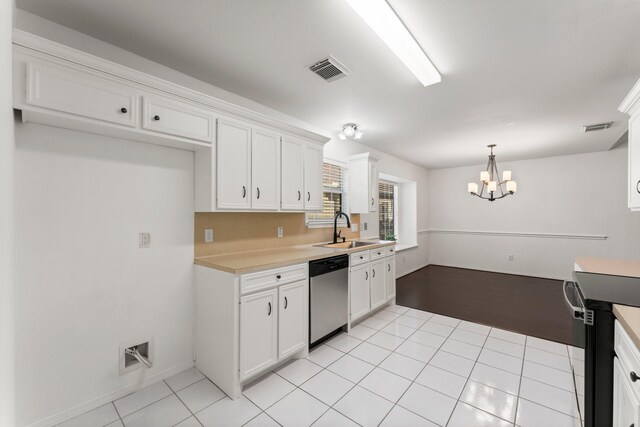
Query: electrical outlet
x=354, y=228
x=144, y=240
x=364, y=226
x=510, y=257
x=208, y=235
x=280, y=231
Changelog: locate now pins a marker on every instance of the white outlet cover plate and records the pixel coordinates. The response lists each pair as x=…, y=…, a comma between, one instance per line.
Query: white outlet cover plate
x=144, y=240
x=280, y=231
x=208, y=235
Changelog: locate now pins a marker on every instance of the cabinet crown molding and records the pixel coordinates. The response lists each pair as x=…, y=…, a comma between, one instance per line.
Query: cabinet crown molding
x=631, y=103
x=52, y=50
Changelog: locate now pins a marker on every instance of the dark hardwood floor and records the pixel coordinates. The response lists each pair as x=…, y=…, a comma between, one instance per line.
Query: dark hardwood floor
x=528, y=305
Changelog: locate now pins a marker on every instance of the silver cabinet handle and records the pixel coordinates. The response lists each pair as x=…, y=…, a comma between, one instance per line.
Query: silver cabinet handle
x=244, y=191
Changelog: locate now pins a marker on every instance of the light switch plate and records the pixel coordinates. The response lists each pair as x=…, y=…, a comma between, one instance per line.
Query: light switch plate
x=208, y=235
x=280, y=231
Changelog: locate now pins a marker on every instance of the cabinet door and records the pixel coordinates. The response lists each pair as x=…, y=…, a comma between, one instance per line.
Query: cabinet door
x=634, y=162
x=233, y=160
x=173, y=117
x=359, y=285
x=313, y=160
x=85, y=94
x=626, y=405
x=264, y=169
x=293, y=313
x=390, y=276
x=292, y=175
x=374, y=191
x=258, y=332
x=378, y=284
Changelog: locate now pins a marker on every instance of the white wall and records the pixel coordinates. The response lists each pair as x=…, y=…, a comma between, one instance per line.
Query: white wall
x=581, y=194
x=410, y=259
x=84, y=288
x=6, y=220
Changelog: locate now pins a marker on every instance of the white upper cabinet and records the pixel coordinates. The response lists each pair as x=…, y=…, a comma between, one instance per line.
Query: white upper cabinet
x=313, y=161
x=83, y=94
x=301, y=176
x=292, y=176
x=363, y=183
x=173, y=117
x=631, y=106
x=233, y=165
x=265, y=165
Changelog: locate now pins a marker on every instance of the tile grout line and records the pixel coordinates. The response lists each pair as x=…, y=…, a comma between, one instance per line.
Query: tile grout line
x=175, y=392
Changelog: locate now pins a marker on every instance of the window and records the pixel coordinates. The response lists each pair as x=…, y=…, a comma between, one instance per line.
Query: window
x=333, y=197
x=388, y=210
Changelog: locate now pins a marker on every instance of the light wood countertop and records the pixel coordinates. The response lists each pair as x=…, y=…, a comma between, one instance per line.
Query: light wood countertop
x=614, y=267
x=250, y=261
x=629, y=318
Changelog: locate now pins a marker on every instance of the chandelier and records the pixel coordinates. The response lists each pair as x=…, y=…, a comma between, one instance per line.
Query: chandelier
x=350, y=130
x=489, y=179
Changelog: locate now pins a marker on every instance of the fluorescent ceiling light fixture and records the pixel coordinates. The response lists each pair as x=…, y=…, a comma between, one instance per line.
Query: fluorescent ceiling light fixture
x=379, y=15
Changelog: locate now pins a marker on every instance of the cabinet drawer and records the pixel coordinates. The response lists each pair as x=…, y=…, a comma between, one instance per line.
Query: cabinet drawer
x=85, y=94
x=628, y=354
x=378, y=253
x=391, y=250
x=359, y=258
x=173, y=117
x=265, y=279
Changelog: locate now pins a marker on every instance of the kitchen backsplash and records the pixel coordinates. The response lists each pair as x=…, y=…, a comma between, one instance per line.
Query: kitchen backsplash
x=237, y=232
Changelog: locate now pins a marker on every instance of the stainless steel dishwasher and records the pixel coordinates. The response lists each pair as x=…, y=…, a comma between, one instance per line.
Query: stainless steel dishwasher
x=328, y=297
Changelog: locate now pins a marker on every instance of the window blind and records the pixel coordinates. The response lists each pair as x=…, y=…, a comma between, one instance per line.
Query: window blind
x=332, y=198
x=386, y=209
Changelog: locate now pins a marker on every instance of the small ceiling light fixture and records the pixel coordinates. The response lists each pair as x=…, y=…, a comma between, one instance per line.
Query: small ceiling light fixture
x=350, y=130
x=488, y=179
x=382, y=19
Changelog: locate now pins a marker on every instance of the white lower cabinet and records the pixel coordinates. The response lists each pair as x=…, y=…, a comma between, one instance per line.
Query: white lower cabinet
x=390, y=276
x=378, y=283
x=372, y=280
x=626, y=404
x=292, y=312
x=258, y=332
x=246, y=324
x=359, y=281
x=626, y=385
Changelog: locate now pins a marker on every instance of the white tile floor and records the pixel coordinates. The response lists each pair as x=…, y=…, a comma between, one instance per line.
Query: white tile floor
x=400, y=367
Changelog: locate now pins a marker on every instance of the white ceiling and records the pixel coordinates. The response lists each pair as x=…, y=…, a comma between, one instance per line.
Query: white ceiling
x=523, y=74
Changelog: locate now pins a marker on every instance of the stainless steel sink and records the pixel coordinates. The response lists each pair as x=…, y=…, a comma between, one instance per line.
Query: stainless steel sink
x=345, y=245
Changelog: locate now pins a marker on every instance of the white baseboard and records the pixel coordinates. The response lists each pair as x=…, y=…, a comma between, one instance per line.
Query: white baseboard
x=106, y=398
x=413, y=270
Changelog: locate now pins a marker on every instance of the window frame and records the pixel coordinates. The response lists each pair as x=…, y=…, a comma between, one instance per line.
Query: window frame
x=326, y=222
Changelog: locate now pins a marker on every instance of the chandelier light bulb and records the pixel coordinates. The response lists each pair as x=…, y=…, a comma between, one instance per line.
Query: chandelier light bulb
x=512, y=186
x=484, y=176
x=492, y=186
x=506, y=175
x=472, y=188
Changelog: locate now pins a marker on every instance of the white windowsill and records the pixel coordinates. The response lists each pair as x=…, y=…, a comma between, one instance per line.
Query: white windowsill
x=400, y=248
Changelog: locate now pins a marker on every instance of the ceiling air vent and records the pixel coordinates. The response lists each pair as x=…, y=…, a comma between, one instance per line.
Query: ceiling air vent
x=330, y=69
x=599, y=126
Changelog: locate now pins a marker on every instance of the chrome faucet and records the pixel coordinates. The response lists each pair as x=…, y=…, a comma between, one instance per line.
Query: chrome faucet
x=335, y=225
